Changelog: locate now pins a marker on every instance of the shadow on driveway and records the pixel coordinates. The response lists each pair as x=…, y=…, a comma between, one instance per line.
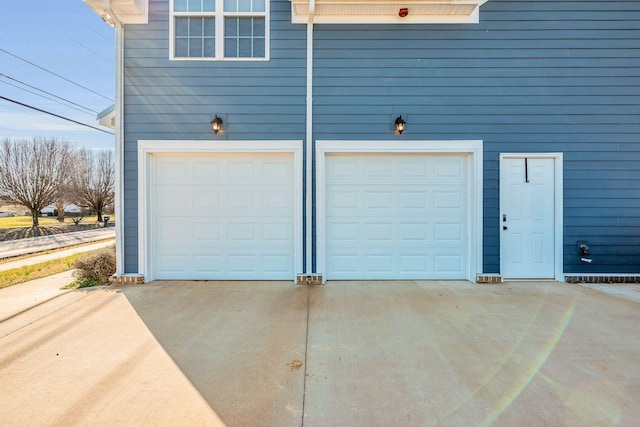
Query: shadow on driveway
x=345, y=354
x=400, y=353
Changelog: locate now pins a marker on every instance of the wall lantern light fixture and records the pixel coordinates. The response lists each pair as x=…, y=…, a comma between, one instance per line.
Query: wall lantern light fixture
x=401, y=125
x=216, y=124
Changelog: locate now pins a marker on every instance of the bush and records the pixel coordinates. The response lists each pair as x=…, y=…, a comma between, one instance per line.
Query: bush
x=96, y=267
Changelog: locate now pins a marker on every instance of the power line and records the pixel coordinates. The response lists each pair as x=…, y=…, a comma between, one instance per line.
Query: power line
x=100, y=35
x=48, y=93
x=57, y=75
x=55, y=115
x=46, y=97
x=91, y=50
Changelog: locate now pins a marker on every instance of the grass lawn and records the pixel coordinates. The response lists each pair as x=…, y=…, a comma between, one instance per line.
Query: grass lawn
x=36, y=271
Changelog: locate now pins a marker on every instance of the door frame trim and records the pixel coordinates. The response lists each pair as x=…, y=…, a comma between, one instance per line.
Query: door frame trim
x=146, y=150
x=558, y=216
x=474, y=148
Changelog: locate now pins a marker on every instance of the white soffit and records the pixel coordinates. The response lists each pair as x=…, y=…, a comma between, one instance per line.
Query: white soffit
x=107, y=117
x=387, y=11
x=125, y=11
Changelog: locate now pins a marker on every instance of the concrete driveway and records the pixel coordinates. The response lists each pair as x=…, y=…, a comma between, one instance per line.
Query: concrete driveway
x=343, y=354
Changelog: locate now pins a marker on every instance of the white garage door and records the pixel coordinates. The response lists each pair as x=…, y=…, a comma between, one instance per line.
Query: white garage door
x=396, y=216
x=223, y=216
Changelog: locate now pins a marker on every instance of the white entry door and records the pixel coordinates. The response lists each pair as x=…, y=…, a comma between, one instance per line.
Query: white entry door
x=527, y=213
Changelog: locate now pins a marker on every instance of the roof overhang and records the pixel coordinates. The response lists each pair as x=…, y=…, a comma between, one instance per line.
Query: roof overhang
x=107, y=117
x=125, y=11
x=386, y=11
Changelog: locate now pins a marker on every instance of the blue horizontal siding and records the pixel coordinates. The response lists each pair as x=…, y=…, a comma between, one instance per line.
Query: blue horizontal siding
x=542, y=76
x=167, y=99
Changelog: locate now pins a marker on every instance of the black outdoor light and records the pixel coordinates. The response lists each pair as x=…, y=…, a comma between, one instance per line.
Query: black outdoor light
x=216, y=124
x=401, y=125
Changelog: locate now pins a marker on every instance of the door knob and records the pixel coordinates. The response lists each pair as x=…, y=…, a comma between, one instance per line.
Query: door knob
x=504, y=227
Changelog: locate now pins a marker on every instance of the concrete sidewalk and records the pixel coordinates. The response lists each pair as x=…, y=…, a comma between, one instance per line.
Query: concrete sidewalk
x=31, y=245
x=349, y=353
x=24, y=296
x=37, y=259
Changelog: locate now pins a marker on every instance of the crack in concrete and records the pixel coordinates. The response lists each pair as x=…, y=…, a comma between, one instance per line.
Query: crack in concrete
x=306, y=352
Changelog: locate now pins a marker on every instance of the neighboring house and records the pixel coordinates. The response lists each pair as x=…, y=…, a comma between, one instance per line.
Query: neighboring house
x=52, y=210
x=518, y=156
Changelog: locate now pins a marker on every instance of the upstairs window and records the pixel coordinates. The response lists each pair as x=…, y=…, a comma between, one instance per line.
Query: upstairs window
x=219, y=29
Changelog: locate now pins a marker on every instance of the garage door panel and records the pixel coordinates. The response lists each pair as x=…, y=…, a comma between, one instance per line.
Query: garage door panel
x=414, y=264
x=235, y=264
x=452, y=232
x=413, y=168
x=408, y=232
x=223, y=216
x=202, y=200
x=409, y=266
x=445, y=264
x=413, y=199
x=275, y=233
x=410, y=225
x=276, y=263
x=449, y=200
x=207, y=264
x=379, y=199
x=206, y=171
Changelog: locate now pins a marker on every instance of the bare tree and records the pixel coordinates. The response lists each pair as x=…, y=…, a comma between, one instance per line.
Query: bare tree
x=94, y=181
x=64, y=197
x=31, y=172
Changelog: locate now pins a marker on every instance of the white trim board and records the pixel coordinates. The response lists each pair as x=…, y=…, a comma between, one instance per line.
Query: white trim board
x=146, y=149
x=558, y=205
x=475, y=174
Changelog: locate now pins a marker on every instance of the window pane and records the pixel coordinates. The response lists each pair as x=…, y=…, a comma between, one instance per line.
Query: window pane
x=182, y=27
x=182, y=48
x=195, y=27
x=195, y=48
x=208, y=5
x=230, y=5
x=258, y=6
x=258, y=27
x=231, y=48
x=244, y=48
x=180, y=5
x=244, y=5
x=231, y=27
x=244, y=27
x=258, y=48
x=209, y=27
x=195, y=6
x=209, y=47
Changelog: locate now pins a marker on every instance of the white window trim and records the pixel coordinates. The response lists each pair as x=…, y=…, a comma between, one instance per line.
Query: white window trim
x=474, y=216
x=146, y=150
x=558, y=207
x=219, y=16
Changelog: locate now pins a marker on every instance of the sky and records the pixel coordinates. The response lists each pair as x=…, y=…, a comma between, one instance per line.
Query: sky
x=67, y=38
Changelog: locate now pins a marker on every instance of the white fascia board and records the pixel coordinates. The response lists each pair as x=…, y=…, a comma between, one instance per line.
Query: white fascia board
x=107, y=117
x=125, y=11
x=387, y=11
